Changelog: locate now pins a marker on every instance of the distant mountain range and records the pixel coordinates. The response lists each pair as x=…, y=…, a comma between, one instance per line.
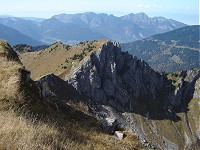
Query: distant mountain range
x=15, y=37
x=171, y=51
x=73, y=28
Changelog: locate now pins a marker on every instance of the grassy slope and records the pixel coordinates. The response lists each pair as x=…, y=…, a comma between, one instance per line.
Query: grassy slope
x=29, y=122
x=63, y=132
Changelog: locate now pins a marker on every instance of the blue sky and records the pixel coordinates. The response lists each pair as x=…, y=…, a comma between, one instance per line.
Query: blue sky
x=182, y=10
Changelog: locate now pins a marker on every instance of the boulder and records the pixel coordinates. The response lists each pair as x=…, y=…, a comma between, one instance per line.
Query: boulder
x=119, y=134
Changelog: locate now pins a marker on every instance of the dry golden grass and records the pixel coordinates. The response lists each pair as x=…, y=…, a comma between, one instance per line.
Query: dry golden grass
x=10, y=74
x=9, y=79
x=16, y=132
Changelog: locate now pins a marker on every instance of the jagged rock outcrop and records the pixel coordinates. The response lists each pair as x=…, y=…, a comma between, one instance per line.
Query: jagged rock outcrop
x=115, y=78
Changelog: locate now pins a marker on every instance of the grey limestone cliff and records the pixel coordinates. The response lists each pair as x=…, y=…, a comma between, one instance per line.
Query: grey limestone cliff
x=118, y=79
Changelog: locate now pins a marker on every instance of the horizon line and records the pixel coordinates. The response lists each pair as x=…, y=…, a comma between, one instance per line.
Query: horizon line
x=50, y=14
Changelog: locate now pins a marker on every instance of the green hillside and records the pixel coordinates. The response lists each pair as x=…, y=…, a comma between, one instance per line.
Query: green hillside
x=171, y=51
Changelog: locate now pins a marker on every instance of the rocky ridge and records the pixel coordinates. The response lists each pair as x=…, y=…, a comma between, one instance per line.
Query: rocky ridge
x=124, y=93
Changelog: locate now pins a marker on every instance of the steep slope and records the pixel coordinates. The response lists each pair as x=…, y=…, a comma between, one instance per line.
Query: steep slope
x=30, y=119
x=15, y=37
x=171, y=51
x=124, y=93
